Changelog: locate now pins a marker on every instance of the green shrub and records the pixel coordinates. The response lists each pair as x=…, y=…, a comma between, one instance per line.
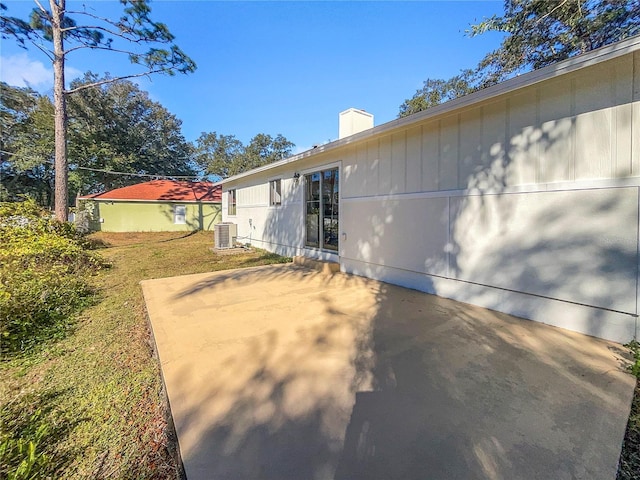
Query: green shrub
x=28, y=209
x=44, y=268
x=32, y=427
x=20, y=455
x=634, y=368
x=37, y=302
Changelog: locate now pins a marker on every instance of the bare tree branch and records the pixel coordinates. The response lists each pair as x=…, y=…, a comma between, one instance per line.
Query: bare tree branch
x=111, y=80
x=99, y=47
x=124, y=29
x=44, y=10
x=553, y=10
x=122, y=35
x=92, y=15
x=94, y=27
x=43, y=50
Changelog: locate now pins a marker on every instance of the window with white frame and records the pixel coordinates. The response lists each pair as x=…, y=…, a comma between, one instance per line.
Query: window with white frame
x=179, y=214
x=275, y=192
x=231, y=198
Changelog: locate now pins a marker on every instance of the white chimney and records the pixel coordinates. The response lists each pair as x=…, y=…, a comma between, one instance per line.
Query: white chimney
x=354, y=121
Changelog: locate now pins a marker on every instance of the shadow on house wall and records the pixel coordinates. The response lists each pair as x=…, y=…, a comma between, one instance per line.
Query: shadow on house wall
x=506, y=236
x=147, y=216
x=200, y=210
x=202, y=214
x=528, y=209
x=198, y=216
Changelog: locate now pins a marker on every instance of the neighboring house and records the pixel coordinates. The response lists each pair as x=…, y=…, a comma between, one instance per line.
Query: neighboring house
x=523, y=197
x=155, y=206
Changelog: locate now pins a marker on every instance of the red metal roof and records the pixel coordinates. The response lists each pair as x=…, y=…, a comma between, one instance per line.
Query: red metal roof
x=167, y=190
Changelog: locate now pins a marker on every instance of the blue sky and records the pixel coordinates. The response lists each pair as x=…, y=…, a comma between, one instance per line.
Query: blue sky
x=285, y=67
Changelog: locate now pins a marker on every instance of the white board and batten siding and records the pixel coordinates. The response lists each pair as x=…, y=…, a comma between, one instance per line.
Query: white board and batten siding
x=275, y=228
x=524, y=200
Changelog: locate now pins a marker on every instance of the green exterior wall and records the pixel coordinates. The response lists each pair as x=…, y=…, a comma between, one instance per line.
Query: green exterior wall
x=119, y=216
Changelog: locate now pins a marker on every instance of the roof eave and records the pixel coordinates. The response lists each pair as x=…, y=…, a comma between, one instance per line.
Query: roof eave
x=147, y=200
x=564, y=67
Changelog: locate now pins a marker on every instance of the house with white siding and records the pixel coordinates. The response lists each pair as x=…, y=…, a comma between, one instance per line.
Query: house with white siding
x=523, y=197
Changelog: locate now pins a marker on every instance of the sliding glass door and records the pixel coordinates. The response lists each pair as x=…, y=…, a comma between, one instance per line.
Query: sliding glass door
x=322, y=209
x=312, y=203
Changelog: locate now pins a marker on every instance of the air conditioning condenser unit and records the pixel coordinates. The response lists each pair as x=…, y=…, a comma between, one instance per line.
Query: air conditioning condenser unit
x=225, y=235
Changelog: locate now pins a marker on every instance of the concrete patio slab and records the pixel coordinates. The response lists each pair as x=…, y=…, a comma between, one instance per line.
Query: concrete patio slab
x=281, y=372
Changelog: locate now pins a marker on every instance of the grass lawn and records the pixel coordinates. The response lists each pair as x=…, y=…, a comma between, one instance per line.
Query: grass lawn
x=94, y=401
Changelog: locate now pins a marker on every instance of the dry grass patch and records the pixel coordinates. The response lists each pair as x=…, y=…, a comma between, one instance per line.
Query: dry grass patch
x=98, y=392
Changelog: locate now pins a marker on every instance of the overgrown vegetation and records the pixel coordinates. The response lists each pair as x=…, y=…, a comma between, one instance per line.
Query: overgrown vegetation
x=44, y=271
x=634, y=367
x=629, y=465
x=31, y=437
x=90, y=405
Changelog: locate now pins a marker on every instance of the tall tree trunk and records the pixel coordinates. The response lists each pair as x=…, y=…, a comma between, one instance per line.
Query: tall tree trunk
x=61, y=196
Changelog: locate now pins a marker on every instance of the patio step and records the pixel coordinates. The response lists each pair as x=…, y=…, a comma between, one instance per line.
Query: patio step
x=328, y=268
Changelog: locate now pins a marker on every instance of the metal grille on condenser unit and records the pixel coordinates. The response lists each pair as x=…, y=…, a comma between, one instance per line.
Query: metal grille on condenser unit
x=225, y=235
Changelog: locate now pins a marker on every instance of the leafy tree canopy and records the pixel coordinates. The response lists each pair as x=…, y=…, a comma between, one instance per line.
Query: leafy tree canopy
x=437, y=91
x=27, y=131
x=538, y=33
x=225, y=155
x=113, y=127
x=117, y=127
